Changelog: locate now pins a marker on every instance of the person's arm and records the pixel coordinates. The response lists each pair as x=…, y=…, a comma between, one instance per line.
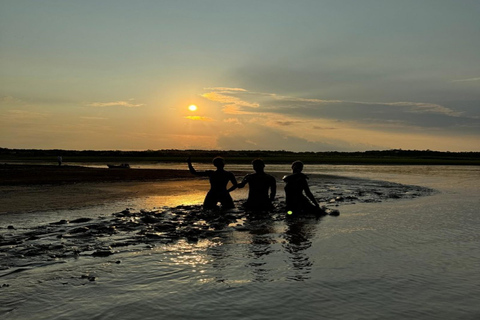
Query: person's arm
x=233, y=181
x=309, y=194
x=239, y=185
x=192, y=169
x=273, y=189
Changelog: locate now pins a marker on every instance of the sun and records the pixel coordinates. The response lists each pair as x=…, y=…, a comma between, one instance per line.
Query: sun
x=192, y=107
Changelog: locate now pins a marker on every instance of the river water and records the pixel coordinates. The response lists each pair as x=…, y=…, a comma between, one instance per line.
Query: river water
x=399, y=259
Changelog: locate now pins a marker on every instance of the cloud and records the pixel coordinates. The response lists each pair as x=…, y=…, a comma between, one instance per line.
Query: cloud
x=233, y=121
x=309, y=123
x=226, y=89
x=228, y=99
x=306, y=100
x=261, y=104
x=24, y=115
x=93, y=118
x=128, y=103
x=323, y=128
x=11, y=101
x=284, y=123
x=466, y=80
x=232, y=104
x=265, y=138
x=199, y=118
x=419, y=107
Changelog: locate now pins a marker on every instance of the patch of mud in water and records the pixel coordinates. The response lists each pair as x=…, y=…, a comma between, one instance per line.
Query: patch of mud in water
x=133, y=230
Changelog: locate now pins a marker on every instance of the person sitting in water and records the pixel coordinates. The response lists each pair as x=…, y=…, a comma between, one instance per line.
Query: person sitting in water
x=299, y=199
x=259, y=183
x=218, y=185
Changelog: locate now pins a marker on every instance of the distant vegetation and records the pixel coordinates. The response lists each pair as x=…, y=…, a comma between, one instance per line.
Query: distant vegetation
x=397, y=156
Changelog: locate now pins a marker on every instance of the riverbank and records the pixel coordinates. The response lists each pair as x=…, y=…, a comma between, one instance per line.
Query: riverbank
x=374, y=157
x=19, y=174
x=37, y=188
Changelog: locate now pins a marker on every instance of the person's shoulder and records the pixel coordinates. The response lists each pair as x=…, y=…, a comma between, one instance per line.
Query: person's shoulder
x=271, y=177
x=295, y=177
x=302, y=176
x=229, y=173
x=268, y=176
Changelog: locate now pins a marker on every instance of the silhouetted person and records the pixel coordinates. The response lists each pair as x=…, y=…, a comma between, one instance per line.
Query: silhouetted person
x=218, y=184
x=298, y=196
x=258, y=185
x=59, y=160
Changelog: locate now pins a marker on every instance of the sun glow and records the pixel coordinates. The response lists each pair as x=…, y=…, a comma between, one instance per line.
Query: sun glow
x=192, y=107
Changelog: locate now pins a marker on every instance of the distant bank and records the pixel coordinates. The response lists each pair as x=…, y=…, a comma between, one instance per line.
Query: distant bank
x=374, y=157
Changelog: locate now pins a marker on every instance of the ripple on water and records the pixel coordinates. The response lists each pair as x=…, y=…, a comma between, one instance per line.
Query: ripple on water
x=394, y=259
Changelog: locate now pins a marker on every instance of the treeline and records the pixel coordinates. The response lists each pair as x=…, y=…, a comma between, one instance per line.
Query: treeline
x=395, y=156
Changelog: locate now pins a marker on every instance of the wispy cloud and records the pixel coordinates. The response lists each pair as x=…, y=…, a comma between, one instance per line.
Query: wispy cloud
x=24, y=115
x=233, y=121
x=93, y=118
x=323, y=128
x=420, y=107
x=199, y=118
x=284, y=123
x=11, y=101
x=226, y=89
x=123, y=103
x=242, y=101
x=273, y=120
x=232, y=104
x=296, y=99
x=467, y=80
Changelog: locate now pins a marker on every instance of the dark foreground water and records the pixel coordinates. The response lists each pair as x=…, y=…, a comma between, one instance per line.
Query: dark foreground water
x=407, y=258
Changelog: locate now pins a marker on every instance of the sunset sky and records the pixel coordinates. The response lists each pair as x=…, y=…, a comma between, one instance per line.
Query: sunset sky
x=339, y=75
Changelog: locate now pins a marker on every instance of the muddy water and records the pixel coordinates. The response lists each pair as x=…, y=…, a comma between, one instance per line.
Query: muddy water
x=411, y=255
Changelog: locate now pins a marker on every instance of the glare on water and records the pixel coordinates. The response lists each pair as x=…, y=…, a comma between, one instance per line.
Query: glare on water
x=410, y=258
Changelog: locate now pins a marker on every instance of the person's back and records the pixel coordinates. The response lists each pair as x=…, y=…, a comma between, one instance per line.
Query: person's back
x=295, y=188
x=296, y=184
x=259, y=184
x=218, y=185
x=219, y=179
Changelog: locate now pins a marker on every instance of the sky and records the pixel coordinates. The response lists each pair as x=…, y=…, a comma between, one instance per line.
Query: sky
x=325, y=75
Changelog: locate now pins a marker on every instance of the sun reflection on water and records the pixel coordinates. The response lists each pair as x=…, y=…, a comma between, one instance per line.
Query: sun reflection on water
x=191, y=254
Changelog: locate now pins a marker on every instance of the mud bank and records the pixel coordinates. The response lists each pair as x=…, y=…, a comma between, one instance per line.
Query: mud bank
x=133, y=229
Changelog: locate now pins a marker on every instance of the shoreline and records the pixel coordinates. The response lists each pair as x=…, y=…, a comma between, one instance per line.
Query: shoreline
x=20, y=174
x=36, y=188
x=41, y=188
x=372, y=157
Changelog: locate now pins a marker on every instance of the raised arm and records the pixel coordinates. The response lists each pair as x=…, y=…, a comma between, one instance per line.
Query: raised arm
x=192, y=169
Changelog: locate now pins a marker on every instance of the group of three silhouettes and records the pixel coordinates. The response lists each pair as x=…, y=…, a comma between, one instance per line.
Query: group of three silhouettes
x=262, y=188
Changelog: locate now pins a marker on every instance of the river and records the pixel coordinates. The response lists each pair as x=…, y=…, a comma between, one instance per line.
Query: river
x=415, y=258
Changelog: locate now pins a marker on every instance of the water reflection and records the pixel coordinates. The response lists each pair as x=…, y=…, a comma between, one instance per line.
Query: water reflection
x=298, y=238
x=264, y=250
x=220, y=262
x=262, y=237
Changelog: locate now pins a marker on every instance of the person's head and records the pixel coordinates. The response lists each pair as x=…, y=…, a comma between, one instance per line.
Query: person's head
x=297, y=166
x=219, y=162
x=258, y=165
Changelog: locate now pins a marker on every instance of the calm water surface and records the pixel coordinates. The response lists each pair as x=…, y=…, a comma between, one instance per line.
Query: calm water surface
x=402, y=259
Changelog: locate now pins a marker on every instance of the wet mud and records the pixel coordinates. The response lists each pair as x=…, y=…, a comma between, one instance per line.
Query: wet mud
x=131, y=229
